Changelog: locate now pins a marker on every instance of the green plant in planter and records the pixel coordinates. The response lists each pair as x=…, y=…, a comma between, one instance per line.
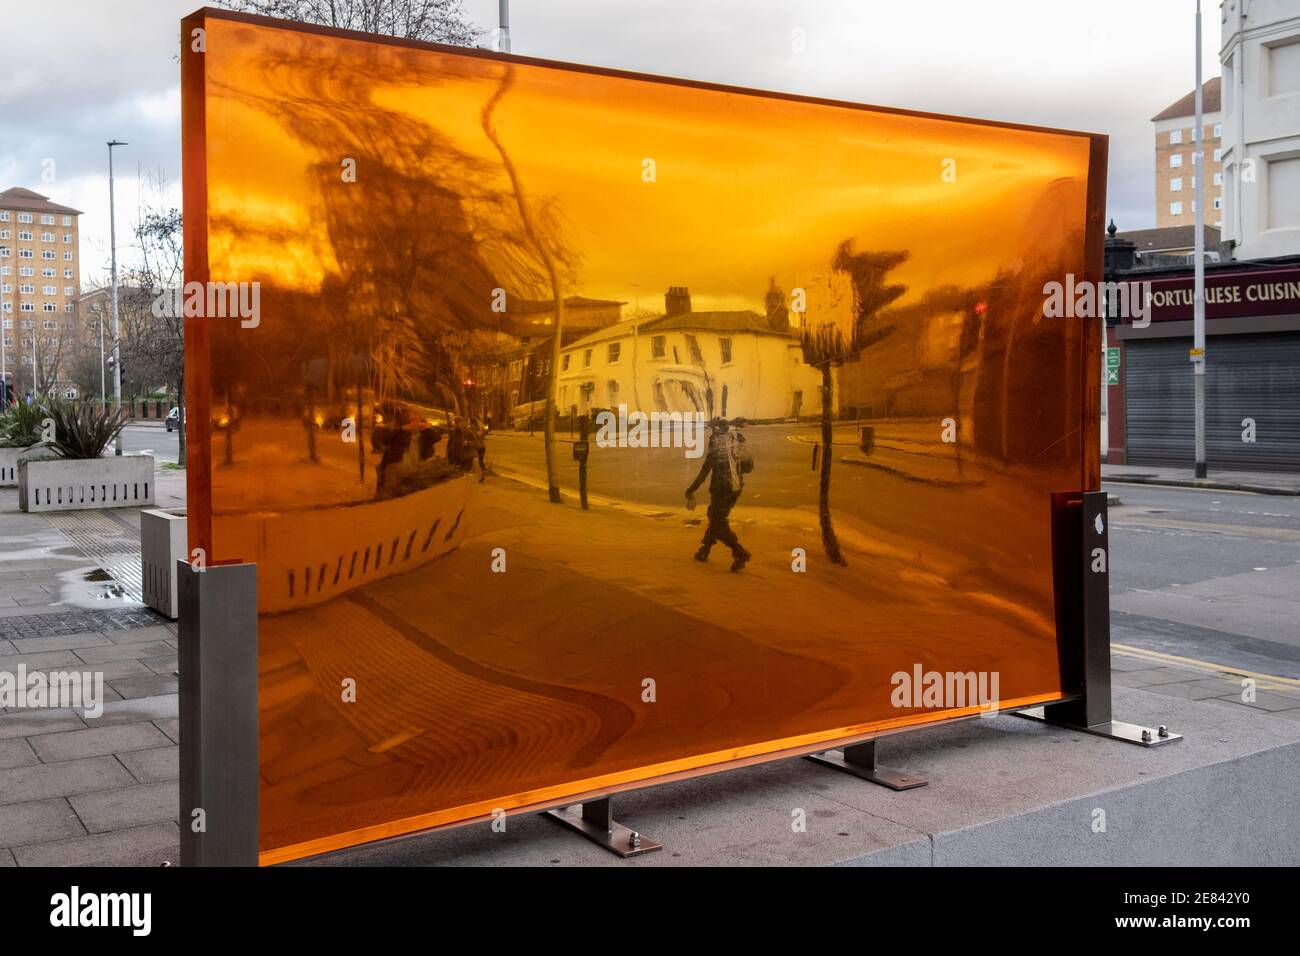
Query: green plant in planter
x=21, y=425
x=83, y=431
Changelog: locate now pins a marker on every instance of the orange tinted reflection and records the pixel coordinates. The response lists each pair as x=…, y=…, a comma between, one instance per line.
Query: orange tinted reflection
x=698, y=278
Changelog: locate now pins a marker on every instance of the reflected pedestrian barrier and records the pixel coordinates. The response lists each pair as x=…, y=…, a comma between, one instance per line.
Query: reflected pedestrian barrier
x=441, y=238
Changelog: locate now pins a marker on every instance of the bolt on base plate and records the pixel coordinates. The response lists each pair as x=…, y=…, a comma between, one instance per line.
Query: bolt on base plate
x=614, y=837
x=1113, y=729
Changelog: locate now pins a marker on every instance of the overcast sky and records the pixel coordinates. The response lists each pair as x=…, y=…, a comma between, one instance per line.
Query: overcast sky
x=77, y=73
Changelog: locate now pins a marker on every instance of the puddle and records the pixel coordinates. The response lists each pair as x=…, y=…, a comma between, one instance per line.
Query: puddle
x=99, y=574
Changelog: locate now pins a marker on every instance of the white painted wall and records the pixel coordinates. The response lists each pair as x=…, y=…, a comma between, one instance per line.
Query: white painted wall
x=1261, y=126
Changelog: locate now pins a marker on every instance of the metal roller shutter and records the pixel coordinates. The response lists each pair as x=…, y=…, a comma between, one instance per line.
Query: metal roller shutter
x=1253, y=376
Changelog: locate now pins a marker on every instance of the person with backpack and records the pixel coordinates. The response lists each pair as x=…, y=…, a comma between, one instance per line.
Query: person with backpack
x=726, y=462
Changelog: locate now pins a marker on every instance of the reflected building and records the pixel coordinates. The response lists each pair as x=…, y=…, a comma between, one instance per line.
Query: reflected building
x=726, y=364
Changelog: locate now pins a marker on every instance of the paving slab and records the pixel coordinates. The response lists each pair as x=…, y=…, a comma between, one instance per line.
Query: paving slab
x=38, y=821
x=153, y=766
x=16, y=752
x=19, y=722
x=121, y=808
x=140, y=846
x=138, y=708
x=98, y=741
x=139, y=650
x=20, y=784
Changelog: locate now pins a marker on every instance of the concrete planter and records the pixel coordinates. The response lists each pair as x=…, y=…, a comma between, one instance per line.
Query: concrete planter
x=9, y=464
x=164, y=540
x=68, y=484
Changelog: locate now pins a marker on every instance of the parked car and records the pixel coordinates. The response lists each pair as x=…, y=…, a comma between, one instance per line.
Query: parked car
x=173, y=419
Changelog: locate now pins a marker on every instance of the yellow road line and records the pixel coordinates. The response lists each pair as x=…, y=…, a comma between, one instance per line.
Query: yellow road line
x=1279, y=683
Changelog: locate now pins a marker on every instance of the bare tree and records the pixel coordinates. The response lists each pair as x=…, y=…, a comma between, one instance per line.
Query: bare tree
x=437, y=21
x=155, y=338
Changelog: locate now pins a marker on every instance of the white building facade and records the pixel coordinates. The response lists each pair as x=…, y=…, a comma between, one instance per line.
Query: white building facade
x=1260, y=57
x=721, y=364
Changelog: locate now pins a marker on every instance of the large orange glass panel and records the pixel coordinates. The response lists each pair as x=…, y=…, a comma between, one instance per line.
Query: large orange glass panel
x=444, y=242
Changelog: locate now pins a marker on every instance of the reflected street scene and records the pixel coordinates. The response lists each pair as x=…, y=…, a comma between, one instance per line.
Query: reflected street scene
x=596, y=428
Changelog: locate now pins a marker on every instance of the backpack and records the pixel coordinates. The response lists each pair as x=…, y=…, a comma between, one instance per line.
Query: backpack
x=740, y=451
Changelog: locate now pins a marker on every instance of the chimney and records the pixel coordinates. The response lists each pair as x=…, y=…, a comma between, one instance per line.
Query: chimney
x=677, y=300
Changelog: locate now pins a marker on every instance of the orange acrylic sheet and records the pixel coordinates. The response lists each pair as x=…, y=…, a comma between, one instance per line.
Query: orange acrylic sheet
x=825, y=317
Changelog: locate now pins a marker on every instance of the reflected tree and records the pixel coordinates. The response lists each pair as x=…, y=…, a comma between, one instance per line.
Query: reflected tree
x=839, y=324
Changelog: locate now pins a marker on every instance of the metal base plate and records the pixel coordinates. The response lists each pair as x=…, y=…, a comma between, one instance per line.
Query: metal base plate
x=1115, y=730
x=617, y=840
x=893, y=779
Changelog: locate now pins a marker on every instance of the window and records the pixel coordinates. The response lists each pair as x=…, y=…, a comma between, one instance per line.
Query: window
x=1218, y=202
x=51, y=325
x=47, y=253
x=564, y=362
x=9, y=307
x=586, y=359
x=1283, y=67
x=24, y=217
x=4, y=233
x=1176, y=184
x=1218, y=179
x=1196, y=157
x=4, y=252
x=1176, y=161
x=1175, y=209
x=67, y=220
x=47, y=237
x=25, y=254
x=611, y=387
x=27, y=288
x=49, y=290
x=26, y=271
x=615, y=349
x=693, y=344
x=49, y=307
x=48, y=272
x=658, y=346
x=26, y=307
x=1218, y=155
x=1218, y=130
x=7, y=287
x=67, y=273
x=4, y=215
x=1284, y=190
x=24, y=235
x=67, y=290
x=724, y=346
x=47, y=219
x=67, y=238
x=1175, y=137
x=67, y=256
x=68, y=307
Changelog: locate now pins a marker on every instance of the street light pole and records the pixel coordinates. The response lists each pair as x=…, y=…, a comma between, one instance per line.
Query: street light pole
x=117, y=332
x=503, y=11
x=1198, y=273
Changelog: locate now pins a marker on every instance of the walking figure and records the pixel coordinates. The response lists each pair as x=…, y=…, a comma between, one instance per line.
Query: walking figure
x=727, y=461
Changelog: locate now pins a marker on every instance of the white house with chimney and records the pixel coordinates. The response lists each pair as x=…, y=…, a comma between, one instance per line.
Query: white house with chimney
x=736, y=364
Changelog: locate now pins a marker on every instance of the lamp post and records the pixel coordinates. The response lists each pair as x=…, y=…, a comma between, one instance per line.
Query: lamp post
x=1198, y=273
x=117, y=336
x=503, y=11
